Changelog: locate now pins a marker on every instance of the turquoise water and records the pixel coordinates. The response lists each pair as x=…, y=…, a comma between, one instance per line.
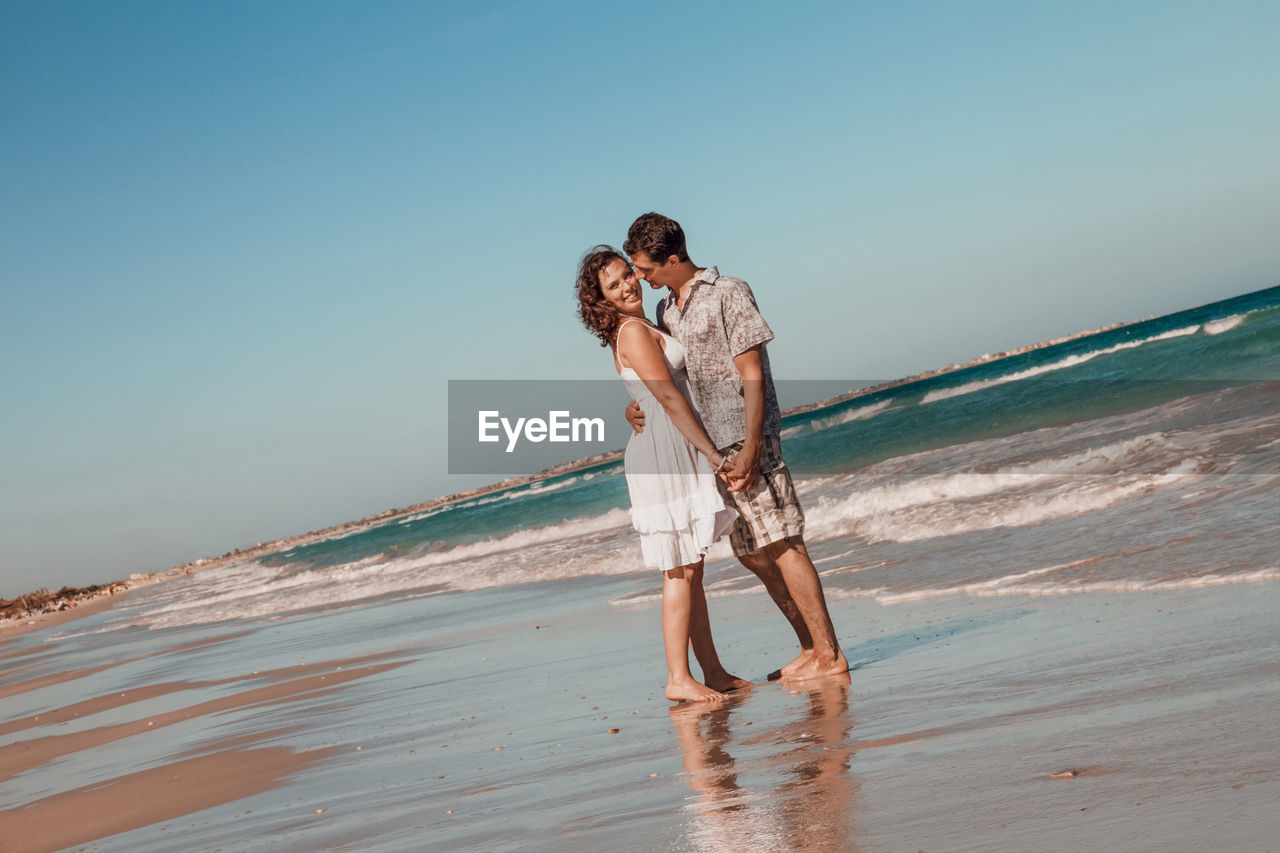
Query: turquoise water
x=1206, y=369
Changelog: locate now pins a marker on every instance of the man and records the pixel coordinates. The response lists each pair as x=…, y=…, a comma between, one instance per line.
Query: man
x=716, y=319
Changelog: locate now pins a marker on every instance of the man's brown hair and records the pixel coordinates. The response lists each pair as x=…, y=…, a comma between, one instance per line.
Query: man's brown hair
x=657, y=236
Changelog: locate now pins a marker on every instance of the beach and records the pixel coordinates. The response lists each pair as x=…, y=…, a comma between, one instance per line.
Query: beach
x=320, y=510
x=1054, y=577
x=1142, y=721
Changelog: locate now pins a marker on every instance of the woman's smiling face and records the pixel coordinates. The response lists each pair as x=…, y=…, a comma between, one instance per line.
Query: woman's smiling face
x=621, y=288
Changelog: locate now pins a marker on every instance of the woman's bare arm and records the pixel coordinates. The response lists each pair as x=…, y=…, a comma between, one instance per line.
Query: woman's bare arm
x=638, y=349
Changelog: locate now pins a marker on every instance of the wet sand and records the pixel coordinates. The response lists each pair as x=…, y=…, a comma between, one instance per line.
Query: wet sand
x=149, y=796
x=200, y=777
x=532, y=717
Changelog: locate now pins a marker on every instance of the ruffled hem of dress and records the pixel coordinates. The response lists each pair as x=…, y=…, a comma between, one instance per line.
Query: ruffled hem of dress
x=677, y=515
x=668, y=549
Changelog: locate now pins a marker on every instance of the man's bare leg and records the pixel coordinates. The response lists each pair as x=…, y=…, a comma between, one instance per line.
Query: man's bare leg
x=676, y=608
x=792, y=559
x=704, y=648
x=763, y=567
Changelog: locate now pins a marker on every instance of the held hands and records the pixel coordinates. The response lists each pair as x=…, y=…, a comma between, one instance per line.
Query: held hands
x=718, y=462
x=742, y=470
x=635, y=417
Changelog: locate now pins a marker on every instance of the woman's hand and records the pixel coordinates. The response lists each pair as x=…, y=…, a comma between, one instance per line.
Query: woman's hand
x=743, y=470
x=725, y=466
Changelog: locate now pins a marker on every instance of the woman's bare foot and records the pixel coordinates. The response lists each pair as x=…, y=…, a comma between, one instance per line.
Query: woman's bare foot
x=820, y=667
x=724, y=682
x=802, y=660
x=691, y=691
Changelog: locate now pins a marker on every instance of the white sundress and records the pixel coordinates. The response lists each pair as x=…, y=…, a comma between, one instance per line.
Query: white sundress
x=676, y=505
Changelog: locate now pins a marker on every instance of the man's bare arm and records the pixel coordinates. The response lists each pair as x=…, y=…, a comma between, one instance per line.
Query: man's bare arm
x=635, y=417
x=745, y=469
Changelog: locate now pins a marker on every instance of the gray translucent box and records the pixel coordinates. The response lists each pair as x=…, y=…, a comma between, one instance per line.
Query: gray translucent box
x=519, y=427
x=515, y=428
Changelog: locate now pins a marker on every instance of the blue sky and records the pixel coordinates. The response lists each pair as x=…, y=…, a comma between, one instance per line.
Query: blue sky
x=243, y=246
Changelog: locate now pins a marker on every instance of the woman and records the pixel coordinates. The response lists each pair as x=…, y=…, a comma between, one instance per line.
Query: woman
x=675, y=505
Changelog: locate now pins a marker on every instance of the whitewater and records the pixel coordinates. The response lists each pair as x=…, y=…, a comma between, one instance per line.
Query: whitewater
x=1107, y=463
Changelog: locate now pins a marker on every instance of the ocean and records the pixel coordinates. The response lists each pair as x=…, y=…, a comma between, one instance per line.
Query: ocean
x=940, y=487
x=510, y=642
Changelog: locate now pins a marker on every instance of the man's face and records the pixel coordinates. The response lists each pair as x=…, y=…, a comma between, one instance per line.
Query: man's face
x=658, y=274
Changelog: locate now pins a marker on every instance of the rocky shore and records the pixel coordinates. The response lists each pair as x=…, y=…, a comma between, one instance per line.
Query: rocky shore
x=43, y=601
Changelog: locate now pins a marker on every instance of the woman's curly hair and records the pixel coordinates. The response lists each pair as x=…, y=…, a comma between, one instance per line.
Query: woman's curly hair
x=600, y=318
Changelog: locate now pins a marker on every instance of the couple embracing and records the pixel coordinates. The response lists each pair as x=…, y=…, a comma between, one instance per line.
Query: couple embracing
x=706, y=456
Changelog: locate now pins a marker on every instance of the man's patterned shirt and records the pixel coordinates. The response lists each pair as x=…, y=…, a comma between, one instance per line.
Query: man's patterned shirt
x=720, y=320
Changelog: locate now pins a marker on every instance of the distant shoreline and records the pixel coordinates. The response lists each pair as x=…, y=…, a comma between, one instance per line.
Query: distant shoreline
x=61, y=604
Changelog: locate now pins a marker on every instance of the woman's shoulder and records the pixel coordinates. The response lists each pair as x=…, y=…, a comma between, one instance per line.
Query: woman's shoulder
x=638, y=329
x=636, y=337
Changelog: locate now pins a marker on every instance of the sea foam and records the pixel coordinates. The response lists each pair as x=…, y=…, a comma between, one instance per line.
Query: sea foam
x=1063, y=364
x=603, y=544
x=915, y=508
x=818, y=424
x=1226, y=324
x=1010, y=585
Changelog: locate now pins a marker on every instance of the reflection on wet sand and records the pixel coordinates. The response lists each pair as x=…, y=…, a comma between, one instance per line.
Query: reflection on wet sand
x=791, y=790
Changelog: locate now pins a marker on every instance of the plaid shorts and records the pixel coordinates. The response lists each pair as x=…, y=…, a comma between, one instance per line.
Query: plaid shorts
x=770, y=511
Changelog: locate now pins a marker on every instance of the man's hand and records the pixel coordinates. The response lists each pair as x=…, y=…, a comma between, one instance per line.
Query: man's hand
x=742, y=473
x=635, y=417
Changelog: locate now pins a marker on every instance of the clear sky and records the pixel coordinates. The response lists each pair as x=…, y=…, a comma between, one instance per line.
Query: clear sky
x=243, y=246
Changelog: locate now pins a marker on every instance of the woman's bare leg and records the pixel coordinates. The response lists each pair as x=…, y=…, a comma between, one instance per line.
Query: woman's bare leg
x=704, y=648
x=677, y=604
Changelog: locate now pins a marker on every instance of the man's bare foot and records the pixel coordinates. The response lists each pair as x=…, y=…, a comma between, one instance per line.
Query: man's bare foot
x=724, y=682
x=819, y=667
x=802, y=660
x=821, y=687
x=691, y=691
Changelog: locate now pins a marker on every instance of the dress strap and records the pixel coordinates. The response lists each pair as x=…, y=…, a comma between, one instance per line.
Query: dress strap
x=618, y=339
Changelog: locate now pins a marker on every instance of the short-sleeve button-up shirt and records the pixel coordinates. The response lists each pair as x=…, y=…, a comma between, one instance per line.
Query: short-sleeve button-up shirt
x=719, y=321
